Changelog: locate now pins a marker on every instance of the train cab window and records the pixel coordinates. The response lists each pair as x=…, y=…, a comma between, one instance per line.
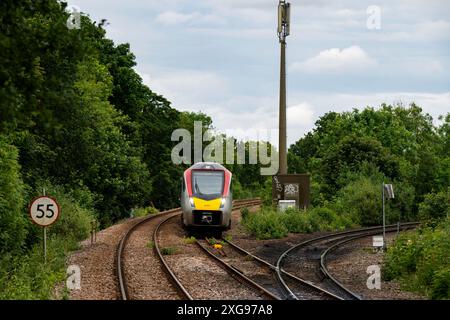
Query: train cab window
x=207, y=183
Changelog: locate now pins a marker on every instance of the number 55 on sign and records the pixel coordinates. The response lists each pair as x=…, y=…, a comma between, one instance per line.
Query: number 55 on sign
x=44, y=211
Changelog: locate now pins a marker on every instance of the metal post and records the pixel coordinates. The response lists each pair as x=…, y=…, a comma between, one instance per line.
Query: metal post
x=45, y=244
x=384, y=219
x=282, y=124
x=283, y=31
x=92, y=232
x=45, y=236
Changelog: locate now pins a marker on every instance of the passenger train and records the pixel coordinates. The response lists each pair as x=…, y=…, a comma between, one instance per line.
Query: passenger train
x=206, y=197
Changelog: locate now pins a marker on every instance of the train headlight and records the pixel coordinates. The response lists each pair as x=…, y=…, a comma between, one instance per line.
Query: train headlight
x=191, y=201
x=222, y=202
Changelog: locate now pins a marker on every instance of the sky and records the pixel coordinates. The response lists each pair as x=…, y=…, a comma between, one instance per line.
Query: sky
x=221, y=57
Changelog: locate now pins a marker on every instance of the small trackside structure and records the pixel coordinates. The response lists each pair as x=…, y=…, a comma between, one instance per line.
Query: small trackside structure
x=291, y=187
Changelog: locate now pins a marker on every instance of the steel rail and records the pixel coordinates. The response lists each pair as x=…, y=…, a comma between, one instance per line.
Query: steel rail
x=235, y=272
x=120, y=270
x=179, y=286
x=323, y=257
x=120, y=251
x=289, y=292
x=287, y=274
x=174, y=279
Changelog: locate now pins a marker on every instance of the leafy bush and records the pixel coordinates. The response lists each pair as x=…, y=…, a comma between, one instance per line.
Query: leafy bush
x=421, y=260
x=435, y=206
x=328, y=219
x=12, y=216
x=244, y=212
x=265, y=224
x=23, y=275
x=228, y=237
x=362, y=199
x=296, y=221
x=239, y=192
x=189, y=240
x=142, y=212
x=441, y=284
x=27, y=277
x=168, y=250
x=269, y=223
x=150, y=244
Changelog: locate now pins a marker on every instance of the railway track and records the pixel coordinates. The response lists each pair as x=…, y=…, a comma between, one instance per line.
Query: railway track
x=263, y=273
x=160, y=220
x=120, y=254
x=311, y=255
x=274, y=281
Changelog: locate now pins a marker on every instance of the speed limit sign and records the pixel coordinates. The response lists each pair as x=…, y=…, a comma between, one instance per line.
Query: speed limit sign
x=44, y=211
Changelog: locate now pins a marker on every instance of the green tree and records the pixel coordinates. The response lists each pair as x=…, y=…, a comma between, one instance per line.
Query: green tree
x=12, y=217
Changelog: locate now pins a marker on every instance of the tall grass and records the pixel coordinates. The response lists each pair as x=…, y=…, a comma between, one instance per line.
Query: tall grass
x=268, y=223
x=420, y=259
x=23, y=273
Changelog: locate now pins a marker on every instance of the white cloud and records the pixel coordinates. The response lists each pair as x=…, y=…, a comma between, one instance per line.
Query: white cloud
x=426, y=31
x=235, y=33
x=187, y=89
x=300, y=114
x=176, y=37
x=258, y=118
x=439, y=29
x=433, y=103
x=336, y=60
x=172, y=18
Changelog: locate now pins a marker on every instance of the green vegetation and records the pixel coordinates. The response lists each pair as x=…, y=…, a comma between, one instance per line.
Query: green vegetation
x=77, y=120
x=350, y=154
x=150, y=244
x=12, y=216
x=168, y=250
x=228, y=237
x=244, y=212
x=23, y=273
x=189, y=240
x=213, y=241
x=270, y=224
x=142, y=212
x=435, y=207
x=420, y=259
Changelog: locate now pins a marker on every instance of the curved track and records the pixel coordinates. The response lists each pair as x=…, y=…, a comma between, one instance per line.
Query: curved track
x=120, y=253
x=290, y=286
x=120, y=270
x=304, y=288
x=327, y=281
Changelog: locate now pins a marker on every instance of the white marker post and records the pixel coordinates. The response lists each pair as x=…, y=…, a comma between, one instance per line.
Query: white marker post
x=389, y=191
x=44, y=211
x=378, y=242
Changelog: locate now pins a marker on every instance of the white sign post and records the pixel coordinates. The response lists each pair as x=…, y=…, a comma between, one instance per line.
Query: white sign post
x=44, y=211
x=377, y=242
x=387, y=192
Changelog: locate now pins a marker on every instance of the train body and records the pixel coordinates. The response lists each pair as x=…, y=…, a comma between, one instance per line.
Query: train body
x=206, y=197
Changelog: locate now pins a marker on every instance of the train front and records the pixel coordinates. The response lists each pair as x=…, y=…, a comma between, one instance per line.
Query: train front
x=206, y=197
